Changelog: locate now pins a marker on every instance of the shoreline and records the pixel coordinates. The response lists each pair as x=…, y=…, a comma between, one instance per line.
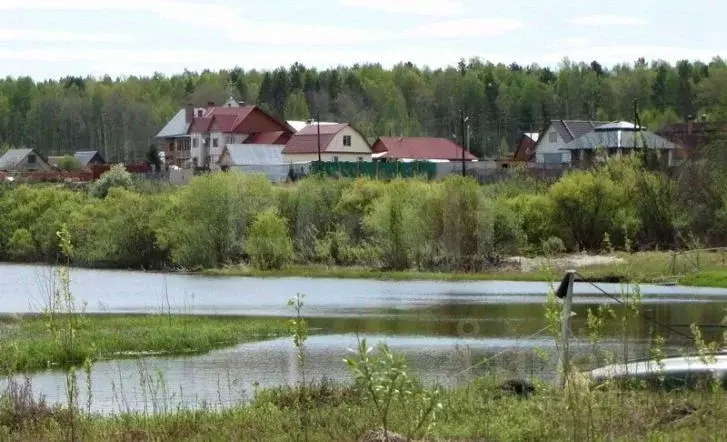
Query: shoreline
x=640, y=268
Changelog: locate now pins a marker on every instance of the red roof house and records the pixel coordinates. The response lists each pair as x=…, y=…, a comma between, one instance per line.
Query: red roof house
x=338, y=142
x=197, y=136
x=419, y=149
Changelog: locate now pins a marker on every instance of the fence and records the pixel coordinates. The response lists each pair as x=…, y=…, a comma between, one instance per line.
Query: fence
x=375, y=169
x=136, y=168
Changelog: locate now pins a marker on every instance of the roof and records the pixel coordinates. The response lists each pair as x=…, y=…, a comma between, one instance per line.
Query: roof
x=200, y=124
x=176, y=127
x=13, y=157
x=617, y=125
x=572, y=129
x=267, y=138
x=255, y=154
x=421, y=148
x=298, y=125
x=85, y=156
x=532, y=135
x=306, y=139
x=619, y=139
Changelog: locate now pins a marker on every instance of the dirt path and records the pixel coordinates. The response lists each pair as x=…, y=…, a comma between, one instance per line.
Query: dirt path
x=575, y=261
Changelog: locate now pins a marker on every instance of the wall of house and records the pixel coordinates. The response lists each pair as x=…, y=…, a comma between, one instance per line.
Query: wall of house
x=549, y=151
x=39, y=164
x=359, y=145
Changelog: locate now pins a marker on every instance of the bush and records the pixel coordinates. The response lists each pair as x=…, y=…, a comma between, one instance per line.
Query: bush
x=268, y=243
x=553, y=246
x=21, y=246
x=117, y=176
x=69, y=163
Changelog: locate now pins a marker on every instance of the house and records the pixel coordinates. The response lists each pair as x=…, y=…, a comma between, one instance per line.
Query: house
x=266, y=159
x=419, y=149
x=691, y=137
x=24, y=160
x=525, y=150
x=196, y=136
x=89, y=158
x=549, y=146
x=617, y=138
x=332, y=142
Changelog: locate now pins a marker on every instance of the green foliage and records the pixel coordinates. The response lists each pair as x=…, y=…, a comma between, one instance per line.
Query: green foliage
x=268, y=243
x=21, y=246
x=388, y=384
x=69, y=163
x=117, y=176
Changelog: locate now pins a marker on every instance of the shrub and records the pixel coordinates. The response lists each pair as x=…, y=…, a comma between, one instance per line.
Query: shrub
x=117, y=176
x=21, y=246
x=268, y=243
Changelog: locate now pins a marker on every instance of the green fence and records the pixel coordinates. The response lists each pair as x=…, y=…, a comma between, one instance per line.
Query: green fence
x=375, y=169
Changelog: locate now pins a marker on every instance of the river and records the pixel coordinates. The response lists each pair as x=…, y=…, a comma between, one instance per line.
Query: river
x=449, y=332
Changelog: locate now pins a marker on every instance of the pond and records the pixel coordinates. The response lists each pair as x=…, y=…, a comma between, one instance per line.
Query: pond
x=449, y=332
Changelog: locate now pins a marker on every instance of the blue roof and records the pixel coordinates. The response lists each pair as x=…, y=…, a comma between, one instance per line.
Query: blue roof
x=176, y=127
x=258, y=154
x=85, y=156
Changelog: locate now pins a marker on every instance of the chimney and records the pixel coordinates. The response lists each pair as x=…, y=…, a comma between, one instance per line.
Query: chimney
x=189, y=113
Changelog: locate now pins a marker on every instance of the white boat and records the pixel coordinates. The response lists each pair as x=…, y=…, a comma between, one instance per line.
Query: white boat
x=681, y=371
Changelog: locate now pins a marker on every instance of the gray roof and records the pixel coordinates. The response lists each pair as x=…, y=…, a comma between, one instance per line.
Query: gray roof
x=617, y=125
x=572, y=129
x=257, y=154
x=12, y=158
x=176, y=127
x=619, y=139
x=85, y=156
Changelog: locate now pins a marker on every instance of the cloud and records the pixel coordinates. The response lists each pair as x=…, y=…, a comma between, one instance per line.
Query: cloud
x=472, y=27
x=608, y=20
x=50, y=36
x=411, y=7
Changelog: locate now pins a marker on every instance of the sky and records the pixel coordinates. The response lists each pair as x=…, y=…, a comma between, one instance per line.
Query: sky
x=55, y=38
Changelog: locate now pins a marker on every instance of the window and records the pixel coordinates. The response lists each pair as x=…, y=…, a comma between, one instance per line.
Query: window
x=215, y=142
x=360, y=159
x=200, y=113
x=335, y=159
x=195, y=142
x=31, y=159
x=552, y=158
x=553, y=137
x=347, y=140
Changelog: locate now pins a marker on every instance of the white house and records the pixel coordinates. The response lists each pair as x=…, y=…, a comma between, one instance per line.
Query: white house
x=550, y=146
x=334, y=142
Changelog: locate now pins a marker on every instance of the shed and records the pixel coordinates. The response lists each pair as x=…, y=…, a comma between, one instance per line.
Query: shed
x=23, y=160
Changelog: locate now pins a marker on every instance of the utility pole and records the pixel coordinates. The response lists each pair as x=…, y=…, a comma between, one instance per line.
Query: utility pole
x=463, y=120
x=318, y=121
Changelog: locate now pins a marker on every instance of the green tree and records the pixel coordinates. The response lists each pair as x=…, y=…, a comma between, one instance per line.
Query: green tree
x=69, y=163
x=269, y=244
x=296, y=107
x=117, y=176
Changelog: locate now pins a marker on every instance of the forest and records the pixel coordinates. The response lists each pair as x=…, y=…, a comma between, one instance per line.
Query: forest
x=119, y=117
x=402, y=224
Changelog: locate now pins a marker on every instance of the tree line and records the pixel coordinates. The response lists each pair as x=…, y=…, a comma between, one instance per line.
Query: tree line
x=450, y=225
x=120, y=117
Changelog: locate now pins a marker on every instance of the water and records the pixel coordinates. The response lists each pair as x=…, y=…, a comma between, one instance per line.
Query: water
x=449, y=332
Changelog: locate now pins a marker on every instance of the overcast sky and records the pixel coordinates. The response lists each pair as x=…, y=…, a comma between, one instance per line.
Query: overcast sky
x=55, y=38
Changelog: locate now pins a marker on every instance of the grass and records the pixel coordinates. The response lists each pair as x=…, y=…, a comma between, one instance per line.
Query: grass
x=642, y=267
x=118, y=336
x=477, y=411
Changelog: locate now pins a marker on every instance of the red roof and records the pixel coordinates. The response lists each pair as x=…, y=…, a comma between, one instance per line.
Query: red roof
x=279, y=137
x=242, y=119
x=421, y=148
x=306, y=140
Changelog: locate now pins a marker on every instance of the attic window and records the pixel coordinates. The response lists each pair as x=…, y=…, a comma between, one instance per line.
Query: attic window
x=200, y=113
x=31, y=159
x=553, y=137
x=347, y=140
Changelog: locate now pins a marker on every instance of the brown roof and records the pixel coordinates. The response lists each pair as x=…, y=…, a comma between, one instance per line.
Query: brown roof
x=421, y=148
x=242, y=119
x=279, y=137
x=306, y=140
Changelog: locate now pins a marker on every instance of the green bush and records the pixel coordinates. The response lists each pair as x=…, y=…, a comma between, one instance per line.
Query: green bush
x=268, y=243
x=117, y=176
x=21, y=246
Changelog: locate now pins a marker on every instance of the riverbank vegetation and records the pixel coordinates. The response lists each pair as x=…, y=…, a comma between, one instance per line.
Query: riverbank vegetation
x=28, y=344
x=478, y=411
x=455, y=225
